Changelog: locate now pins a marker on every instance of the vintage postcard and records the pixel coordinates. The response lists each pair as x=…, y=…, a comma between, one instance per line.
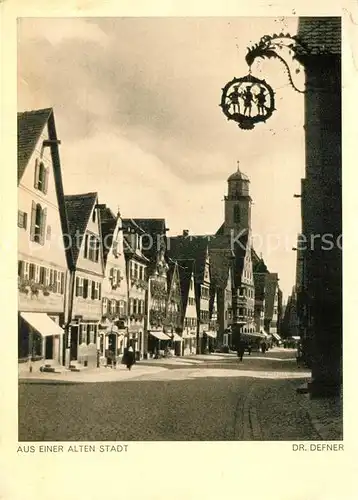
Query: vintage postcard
x=179, y=205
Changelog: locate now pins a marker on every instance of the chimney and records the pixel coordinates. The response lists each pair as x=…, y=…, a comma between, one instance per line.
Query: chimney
x=185, y=232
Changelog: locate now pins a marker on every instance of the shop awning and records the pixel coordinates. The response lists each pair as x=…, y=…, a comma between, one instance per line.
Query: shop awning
x=211, y=333
x=159, y=335
x=177, y=338
x=42, y=323
x=276, y=336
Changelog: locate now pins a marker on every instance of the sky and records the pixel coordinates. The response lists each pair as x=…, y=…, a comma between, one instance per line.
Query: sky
x=136, y=103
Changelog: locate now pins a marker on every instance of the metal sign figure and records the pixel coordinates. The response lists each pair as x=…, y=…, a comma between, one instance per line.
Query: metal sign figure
x=247, y=101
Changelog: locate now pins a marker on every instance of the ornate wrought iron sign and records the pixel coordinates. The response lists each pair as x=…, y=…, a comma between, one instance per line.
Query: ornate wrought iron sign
x=247, y=101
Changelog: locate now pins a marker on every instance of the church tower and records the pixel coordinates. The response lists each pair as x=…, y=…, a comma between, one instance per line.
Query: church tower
x=238, y=204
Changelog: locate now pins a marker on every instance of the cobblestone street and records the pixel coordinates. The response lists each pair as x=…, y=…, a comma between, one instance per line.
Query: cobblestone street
x=199, y=399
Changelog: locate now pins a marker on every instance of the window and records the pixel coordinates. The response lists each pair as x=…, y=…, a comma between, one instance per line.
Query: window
x=91, y=333
x=21, y=219
x=113, y=307
x=79, y=287
x=38, y=223
x=135, y=306
x=136, y=270
x=42, y=275
x=140, y=307
x=122, y=308
x=41, y=177
x=141, y=269
x=92, y=248
x=32, y=271
x=85, y=252
x=94, y=215
x=83, y=334
x=62, y=283
x=85, y=288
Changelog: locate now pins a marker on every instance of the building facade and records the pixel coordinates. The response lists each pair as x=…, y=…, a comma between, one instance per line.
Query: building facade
x=113, y=329
x=137, y=282
x=42, y=262
x=186, y=270
x=86, y=277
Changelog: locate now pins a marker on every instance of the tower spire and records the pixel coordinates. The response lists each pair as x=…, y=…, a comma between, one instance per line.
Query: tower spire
x=238, y=165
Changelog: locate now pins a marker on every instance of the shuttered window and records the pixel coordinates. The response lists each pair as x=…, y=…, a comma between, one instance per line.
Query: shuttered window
x=85, y=288
x=41, y=176
x=21, y=219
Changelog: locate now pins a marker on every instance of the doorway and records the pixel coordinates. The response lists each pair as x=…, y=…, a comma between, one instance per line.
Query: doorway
x=49, y=347
x=74, y=343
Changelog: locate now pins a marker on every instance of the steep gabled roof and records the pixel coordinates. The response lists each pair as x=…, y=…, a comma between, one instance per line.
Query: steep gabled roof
x=186, y=269
x=321, y=35
x=221, y=260
x=78, y=208
x=190, y=247
x=271, y=284
x=30, y=125
x=108, y=225
x=155, y=229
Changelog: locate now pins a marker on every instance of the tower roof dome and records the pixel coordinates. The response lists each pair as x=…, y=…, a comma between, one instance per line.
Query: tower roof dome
x=238, y=175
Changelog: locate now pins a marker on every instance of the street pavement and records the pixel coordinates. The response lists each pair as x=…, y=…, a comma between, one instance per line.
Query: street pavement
x=201, y=398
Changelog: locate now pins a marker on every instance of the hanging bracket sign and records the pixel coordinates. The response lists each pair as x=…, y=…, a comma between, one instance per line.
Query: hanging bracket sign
x=247, y=101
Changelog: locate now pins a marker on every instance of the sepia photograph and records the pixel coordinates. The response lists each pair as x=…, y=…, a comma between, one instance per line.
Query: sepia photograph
x=179, y=229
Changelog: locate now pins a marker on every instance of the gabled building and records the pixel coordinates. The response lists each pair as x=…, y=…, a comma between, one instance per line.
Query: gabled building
x=153, y=239
x=222, y=268
x=137, y=279
x=196, y=248
x=174, y=326
x=186, y=269
x=41, y=222
x=272, y=305
x=114, y=321
x=260, y=271
x=87, y=271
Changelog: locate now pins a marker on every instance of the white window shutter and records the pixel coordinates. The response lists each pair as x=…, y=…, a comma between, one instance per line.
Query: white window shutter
x=37, y=173
x=46, y=176
x=43, y=226
x=33, y=221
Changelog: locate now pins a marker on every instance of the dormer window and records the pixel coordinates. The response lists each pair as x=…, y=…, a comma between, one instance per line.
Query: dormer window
x=41, y=176
x=94, y=215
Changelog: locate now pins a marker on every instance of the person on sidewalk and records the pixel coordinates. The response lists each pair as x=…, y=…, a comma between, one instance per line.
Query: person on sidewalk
x=130, y=358
x=263, y=347
x=249, y=348
x=241, y=349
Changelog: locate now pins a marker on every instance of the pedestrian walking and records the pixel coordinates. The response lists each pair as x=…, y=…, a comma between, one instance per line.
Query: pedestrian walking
x=129, y=359
x=263, y=347
x=249, y=348
x=241, y=349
